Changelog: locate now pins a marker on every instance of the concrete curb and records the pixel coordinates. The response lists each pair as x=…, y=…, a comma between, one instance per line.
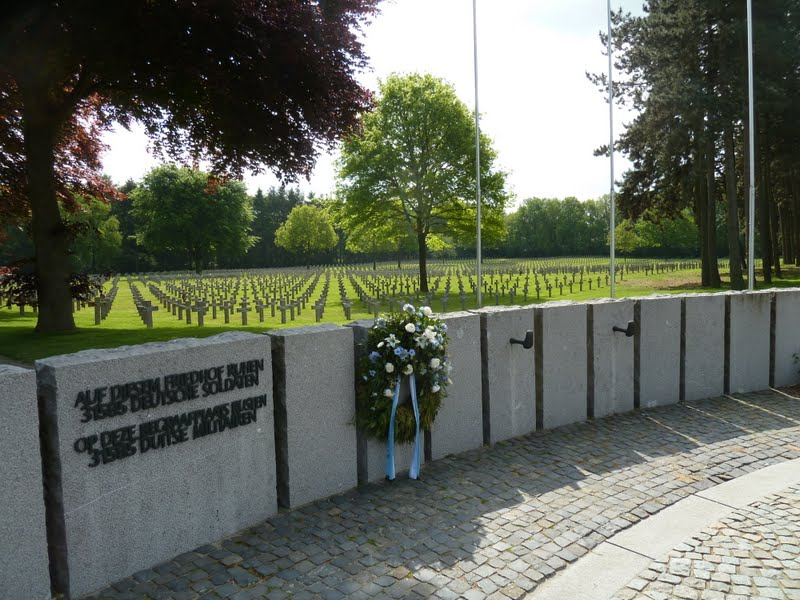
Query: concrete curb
x=602, y=572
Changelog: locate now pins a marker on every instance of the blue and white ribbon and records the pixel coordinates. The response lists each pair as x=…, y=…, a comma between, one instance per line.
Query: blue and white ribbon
x=413, y=471
x=390, y=442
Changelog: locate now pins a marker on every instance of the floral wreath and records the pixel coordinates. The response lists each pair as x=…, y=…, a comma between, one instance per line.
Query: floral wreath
x=401, y=344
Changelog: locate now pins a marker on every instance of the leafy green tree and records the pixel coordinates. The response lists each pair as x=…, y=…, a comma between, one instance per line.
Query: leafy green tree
x=684, y=66
x=671, y=142
x=626, y=240
x=271, y=210
x=238, y=83
x=94, y=232
x=553, y=227
x=364, y=238
x=98, y=240
x=674, y=237
x=307, y=230
x=653, y=235
x=16, y=247
x=132, y=257
x=185, y=211
x=412, y=163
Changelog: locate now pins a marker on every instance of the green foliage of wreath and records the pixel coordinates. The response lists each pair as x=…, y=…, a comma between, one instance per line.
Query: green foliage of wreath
x=412, y=340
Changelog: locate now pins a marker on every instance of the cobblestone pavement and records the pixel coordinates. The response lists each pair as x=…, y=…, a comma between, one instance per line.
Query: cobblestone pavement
x=491, y=523
x=754, y=553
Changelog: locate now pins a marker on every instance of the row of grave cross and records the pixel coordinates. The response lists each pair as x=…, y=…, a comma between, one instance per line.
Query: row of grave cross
x=184, y=300
x=101, y=303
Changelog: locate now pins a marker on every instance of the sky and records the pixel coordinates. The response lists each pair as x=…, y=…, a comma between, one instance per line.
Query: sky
x=535, y=101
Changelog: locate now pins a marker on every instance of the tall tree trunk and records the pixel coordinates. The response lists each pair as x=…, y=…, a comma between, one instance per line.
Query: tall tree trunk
x=423, y=261
x=700, y=210
x=787, y=237
x=748, y=218
x=699, y=207
x=711, y=235
x=776, y=247
x=795, y=181
x=762, y=215
x=711, y=216
x=50, y=236
x=737, y=280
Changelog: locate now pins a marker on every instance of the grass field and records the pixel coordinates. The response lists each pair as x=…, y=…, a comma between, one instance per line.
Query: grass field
x=19, y=342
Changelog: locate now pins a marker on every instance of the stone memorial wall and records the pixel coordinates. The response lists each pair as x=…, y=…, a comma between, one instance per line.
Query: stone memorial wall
x=748, y=344
x=657, y=351
x=314, y=378
x=509, y=390
x=23, y=536
x=561, y=371
x=703, y=335
x=459, y=425
x=152, y=450
x=786, y=330
x=610, y=357
x=142, y=453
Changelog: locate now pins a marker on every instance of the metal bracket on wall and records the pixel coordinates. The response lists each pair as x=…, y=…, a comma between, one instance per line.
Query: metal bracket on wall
x=628, y=331
x=527, y=343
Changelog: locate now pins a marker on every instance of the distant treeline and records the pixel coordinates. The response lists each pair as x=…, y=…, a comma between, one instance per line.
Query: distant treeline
x=107, y=237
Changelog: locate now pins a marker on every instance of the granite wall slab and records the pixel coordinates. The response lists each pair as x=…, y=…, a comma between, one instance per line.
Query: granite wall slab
x=153, y=450
x=509, y=398
x=561, y=363
x=658, y=325
x=23, y=535
x=314, y=412
x=611, y=371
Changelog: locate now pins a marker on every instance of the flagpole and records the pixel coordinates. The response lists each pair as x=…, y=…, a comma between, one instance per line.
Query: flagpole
x=612, y=249
x=477, y=152
x=751, y=269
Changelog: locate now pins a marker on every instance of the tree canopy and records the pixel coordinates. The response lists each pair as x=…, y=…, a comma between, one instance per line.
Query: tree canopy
x=97, y=237
x=412, y=163
x=271, y=211
x=236, y=83
x=184, y=211
x=307, y=230
x=684, y=69
x=553, y=227
x=650, y=235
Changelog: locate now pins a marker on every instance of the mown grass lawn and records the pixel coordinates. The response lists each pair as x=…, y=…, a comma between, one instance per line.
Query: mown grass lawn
x=19, y=342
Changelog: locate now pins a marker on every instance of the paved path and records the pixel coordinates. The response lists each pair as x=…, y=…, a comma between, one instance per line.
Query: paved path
x=641, y=553
x=754, y=553
x=493, y=523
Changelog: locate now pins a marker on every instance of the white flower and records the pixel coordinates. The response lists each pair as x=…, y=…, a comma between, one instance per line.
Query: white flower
x=435, y=362
x=429, y=333
x=408, y=370
x=426, y=310
x=388, y=393
x=380, y=344
x=410, y=327
x=408, y=308
x=435, y=388
x=389, y=368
